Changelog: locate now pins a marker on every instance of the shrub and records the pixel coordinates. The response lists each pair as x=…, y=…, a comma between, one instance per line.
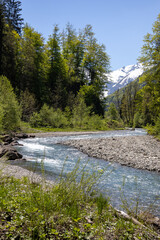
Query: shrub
x=114, y=124
x=35, y=120
x=157, y=126
x=137, y=121
x=58, y=119
x=10, y=119
x=112, y=112
x=28, y=104
x=80, y=113
x=45, y=115
x=1, y=118
x=96, y=122
x=49, y=117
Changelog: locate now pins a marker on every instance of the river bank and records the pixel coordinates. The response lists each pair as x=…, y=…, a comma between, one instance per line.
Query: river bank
x=30, y=211
x=9, y=170
x=18, y=172
x=142, y=152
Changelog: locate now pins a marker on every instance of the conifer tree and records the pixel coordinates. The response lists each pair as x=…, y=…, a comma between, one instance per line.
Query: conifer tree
x=10, y=26
x=57, y=71
x=2, y=26
x=13, y=14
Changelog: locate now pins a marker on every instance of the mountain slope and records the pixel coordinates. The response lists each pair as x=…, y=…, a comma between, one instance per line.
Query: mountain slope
x=123, y=76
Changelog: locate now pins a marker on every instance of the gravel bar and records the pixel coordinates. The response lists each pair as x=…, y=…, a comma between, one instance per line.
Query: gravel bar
x=142, y=152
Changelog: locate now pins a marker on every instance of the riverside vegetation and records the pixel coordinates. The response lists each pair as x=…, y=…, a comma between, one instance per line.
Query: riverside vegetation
x=70, y=209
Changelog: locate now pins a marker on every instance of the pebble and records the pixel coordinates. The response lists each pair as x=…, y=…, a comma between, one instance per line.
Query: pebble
x=142, y=152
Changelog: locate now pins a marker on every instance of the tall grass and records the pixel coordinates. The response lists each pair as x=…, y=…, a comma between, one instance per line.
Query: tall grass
x=70, y=209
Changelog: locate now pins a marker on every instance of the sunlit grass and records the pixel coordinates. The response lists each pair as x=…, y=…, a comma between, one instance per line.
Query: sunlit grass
x=69, y=209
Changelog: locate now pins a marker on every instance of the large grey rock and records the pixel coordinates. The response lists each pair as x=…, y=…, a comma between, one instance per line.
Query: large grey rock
x=6, y=139
x=10, y=153
x=21, y=135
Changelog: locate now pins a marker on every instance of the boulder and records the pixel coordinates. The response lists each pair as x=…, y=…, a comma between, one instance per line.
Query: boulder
x=6, y=139
x=21, y=135
x=15, y=143
x=31, y=136
x=10, y=153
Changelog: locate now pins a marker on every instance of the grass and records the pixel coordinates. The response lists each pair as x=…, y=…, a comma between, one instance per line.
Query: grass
x=65, y=210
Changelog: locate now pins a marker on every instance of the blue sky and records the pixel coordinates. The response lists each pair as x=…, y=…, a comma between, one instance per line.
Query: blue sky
x=119, y=24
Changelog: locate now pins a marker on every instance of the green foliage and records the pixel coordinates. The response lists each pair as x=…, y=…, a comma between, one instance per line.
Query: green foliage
x=151, y=48
x=57, y=71
x=97, y=122
x=95, y=60
x=68, y=209
x=35, y=120
x=28, y=104
x=157, y=126
x=128, y=103
x=1, y=118
x=59, y=119
x=102, y=203
x=92, y=100
x=80, y=118
x=114, y=124
x=2, y=29
x=9, y=52
x=112, y=112
x=31, y=62
x=54, y=71
x=12, y=11
x=51, y=72
x=49, y=117
x=149, y=96
x=10, y=28
x=155, y=130
x=73, y=53
x=11, y=112
x=137, y=121
x=80, y=113
x=112, y=117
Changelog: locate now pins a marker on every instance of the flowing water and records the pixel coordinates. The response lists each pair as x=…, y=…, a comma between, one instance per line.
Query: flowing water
x=142, y=187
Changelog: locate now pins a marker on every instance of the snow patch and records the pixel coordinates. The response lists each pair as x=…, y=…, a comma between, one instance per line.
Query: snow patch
x=121, y=77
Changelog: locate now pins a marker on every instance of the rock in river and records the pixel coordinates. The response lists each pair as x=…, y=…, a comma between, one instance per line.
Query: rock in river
x=10, y=153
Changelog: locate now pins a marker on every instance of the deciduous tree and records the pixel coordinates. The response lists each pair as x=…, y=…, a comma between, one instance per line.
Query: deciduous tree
x=10, y=109
x=31, y=62
x=150, y=58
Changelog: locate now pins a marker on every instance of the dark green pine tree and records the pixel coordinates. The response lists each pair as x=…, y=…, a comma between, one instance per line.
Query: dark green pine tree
x=2, y=26
x=10, y=28
x=57, y=71
x=13, y=14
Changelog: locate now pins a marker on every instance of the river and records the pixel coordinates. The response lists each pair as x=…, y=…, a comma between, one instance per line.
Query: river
x=142, y=187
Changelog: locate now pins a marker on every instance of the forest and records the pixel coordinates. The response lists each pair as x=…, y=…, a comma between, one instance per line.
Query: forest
x=59, y=82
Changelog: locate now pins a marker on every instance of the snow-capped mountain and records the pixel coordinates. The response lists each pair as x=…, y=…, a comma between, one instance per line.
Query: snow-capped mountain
x=121, y=77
